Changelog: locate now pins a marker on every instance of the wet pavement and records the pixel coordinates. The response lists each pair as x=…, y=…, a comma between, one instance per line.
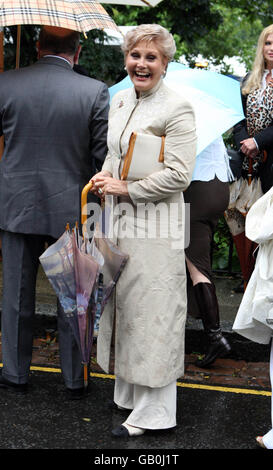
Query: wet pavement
x=223, y=407
x=207, y=419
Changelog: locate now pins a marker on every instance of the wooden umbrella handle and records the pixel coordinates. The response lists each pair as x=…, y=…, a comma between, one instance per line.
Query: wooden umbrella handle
x=18, y=47
x=85, y=192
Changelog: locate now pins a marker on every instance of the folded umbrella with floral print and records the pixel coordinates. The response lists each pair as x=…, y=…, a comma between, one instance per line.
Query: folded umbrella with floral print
x=73, y=276
x=74, y=266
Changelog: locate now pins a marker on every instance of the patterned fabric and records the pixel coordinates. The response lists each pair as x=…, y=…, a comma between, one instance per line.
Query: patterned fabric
x=259, y=116
x=247, y=190
x=78, y=15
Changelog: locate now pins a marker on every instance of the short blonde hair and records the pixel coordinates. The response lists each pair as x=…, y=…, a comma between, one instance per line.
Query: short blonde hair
x=150, y=32
x=254, y=80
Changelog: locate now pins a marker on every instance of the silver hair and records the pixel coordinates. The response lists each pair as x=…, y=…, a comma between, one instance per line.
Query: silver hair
x=150, y=32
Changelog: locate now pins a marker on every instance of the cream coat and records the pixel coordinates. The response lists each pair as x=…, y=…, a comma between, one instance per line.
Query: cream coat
x=150, y=300
x=254, y=319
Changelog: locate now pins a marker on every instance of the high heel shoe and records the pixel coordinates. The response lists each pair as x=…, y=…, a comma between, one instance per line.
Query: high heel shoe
x=260, y=442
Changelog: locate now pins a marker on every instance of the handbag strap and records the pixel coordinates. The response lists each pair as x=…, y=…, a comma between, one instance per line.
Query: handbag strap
x=161, y=155
x=128, y=156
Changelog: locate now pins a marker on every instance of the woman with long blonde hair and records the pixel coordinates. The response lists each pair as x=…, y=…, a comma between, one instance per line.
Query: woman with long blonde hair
x=255, y=78
x=254, y=139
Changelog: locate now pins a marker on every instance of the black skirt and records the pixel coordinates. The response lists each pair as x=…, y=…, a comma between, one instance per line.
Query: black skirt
x=208, y=200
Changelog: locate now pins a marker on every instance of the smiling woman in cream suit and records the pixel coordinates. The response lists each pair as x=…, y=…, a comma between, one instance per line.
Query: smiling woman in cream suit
x=150, y=303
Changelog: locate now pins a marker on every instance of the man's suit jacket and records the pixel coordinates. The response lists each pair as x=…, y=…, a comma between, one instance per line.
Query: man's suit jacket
x=54, y=123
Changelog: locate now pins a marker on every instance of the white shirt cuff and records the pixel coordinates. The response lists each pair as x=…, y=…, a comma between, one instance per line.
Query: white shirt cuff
x=256, y=143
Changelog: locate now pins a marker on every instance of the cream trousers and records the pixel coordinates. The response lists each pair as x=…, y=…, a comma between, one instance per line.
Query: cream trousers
x=152, y=408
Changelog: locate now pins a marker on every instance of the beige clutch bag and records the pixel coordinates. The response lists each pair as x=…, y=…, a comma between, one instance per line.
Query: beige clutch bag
x=145, y=156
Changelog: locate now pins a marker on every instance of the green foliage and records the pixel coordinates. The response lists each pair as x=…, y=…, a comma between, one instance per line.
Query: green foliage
x=213, y=28
x=235, y=36
x=102, y=61
x=224, y=251
x=224, y=254
x=186, y=18
x=28, y=53
x=252, y=9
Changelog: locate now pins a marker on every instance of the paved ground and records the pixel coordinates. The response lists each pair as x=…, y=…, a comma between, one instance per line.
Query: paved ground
x=247, y=365
x=235, y=371
x=45, y=419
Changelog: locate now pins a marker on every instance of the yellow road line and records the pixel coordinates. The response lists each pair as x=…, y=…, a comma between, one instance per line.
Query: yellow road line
x=245, y=391
x=46, y=369
x=225, y=389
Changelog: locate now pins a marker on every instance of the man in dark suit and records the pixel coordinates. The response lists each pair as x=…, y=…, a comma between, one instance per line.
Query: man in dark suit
x=54, y=123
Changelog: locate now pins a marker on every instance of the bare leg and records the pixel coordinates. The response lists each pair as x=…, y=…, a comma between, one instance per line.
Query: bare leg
x=196, y=276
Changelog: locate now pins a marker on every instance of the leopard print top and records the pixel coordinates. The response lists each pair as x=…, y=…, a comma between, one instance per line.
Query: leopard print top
x=259, y=116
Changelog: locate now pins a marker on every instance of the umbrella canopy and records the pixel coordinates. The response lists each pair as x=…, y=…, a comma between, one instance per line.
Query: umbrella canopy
x=137, y=3
x=86, y=274
x=58, y=264
x=73, y=276
x=216, y=100
x=78, y=15
x=114, y=261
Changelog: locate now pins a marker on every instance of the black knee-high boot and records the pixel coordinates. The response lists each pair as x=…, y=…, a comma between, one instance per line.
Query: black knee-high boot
x=208, y=305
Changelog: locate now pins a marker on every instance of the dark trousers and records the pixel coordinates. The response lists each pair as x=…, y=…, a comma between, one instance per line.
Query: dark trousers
x=20, y=255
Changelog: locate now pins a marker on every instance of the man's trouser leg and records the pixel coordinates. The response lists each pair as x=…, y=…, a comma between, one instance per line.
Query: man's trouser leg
x=70, y=357
x=19, y=279
x=20, y=254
